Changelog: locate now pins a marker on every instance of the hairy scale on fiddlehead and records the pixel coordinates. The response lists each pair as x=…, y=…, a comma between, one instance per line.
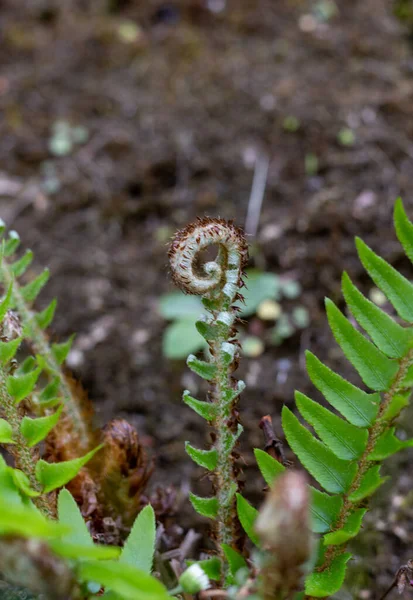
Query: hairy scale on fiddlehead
x=218, y=283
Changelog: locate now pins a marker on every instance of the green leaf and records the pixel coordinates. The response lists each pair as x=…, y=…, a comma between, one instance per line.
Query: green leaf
x=28, y=364
x=358, y=407
x=376, y=370
x=348, y=531
x=235, y=561
x=260, y=286
x=334, y=474
x=397, y=403
x=392, y=339
x=204, y=369
x=231, y=440
x=56, y=475
x=208, y=332
x=123, y=579
x=270, y=467
x=247, y=515
x=404, y=228
x=204, y=458
x=328, y=582
x=78, y=551
x=20, y=266
x=177, y=305
x=207, y=507
x=324, y=510
x=22, y=482
x=6, y=302
x=345, y=440
x=386, y=445
x=181, y=338
x=139, y=548
x=6, y=432
x=230, y=394
x=28, y=522
x=44, y=318
x=8, y=350
x=50, y=391
x=69, y=514
x=212, y=567
x=36, y=430
x=31, y=290
x=20, y=386
x=60, y=351
x=207, y=410
x=12, y=243
x=369, y=484
x=397, y=288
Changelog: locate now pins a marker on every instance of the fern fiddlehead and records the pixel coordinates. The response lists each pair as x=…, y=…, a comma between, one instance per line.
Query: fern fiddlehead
x=218, y=283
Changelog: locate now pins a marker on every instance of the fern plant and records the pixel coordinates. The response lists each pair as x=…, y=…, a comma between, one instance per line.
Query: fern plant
x=345, y=450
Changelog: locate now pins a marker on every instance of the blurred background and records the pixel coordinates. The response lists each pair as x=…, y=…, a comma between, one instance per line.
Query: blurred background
x=123, y=120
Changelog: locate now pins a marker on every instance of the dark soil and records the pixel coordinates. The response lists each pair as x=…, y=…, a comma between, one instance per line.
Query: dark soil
x=174, y=118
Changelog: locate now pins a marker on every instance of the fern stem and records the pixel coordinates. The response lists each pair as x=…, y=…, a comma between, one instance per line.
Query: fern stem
x=218, y=283
x=25, y=457
x=225, y=481
x=41, y=346
x=379, y=427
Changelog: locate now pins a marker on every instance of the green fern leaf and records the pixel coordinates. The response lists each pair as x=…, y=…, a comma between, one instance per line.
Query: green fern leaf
x=404, y=228
x=397, y=288
x=139, y=548
x=328, y=582
x=36, y=430
x=12, y=243
x=345, y=440
x=60, y=351
x=398, y=402
x=358, y=407
x=6, y=303
x=235, y=563
x=56, y=475
x=386, y=445
x=31, y=290
x=204, y=458
x=22, y=482
x=269, y=467
x=50, y=391
x=200, y=367
x=206, y=410
x=19, y=267
x=70, y=515
x=6, y=432
x=370, y=482
x=348, y=531
x=44, y=318
x=8, y=350
x=324, y=510
x=392, y=339
x=376, y=370
x=20, y=386
x=247, y=515
x=206, y=507
x=333, y=474
x=230, y=394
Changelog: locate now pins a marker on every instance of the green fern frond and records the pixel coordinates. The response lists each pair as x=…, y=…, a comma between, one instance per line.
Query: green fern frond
x=34, y=323
x=345, y=457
